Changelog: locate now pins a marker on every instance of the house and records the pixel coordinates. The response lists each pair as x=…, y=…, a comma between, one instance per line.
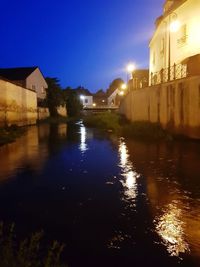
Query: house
x=140, y=79
x=174, y=47
x=30, y=77
x=100, y=98
x=115, y=98
x=85, y=96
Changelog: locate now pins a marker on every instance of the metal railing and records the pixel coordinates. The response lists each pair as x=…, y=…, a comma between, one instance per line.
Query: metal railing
x=175, y=72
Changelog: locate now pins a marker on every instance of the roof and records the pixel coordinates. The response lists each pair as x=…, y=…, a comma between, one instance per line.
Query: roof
x=17, y=74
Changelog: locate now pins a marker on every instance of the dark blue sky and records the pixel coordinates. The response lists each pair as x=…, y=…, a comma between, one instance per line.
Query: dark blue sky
x=82, y=42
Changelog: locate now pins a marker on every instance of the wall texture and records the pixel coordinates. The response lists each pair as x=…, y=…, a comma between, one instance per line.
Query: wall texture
x=175, y=105
x=17, y=105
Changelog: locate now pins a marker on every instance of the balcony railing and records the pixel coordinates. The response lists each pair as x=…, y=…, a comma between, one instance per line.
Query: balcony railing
x=175, y=72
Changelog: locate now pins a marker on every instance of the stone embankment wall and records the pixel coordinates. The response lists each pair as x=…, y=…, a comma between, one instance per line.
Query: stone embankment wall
x=62, y=111
x=175, y=105
x=43, y=113
x=17, y=105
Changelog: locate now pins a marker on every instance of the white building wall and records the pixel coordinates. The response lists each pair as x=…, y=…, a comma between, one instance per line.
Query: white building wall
x=87, y=101
x=188, y=15
x=37, y=83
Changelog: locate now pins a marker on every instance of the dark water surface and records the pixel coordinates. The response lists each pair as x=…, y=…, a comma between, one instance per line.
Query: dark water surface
x=112, y=201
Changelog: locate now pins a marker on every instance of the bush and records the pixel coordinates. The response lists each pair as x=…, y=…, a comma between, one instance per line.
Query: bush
x=106, y=121
x=28, y=252
x=145, y=130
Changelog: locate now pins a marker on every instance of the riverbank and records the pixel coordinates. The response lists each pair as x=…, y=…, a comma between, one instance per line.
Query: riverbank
x=10, y=134
x=119, y=125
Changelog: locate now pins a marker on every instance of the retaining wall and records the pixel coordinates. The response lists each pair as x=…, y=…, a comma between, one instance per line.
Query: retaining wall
x=175, y=105
x=18, y=105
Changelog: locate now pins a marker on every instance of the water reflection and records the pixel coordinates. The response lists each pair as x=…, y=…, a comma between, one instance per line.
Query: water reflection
x=171, y=228
x=83, y=135
x=173, y=191
x=130, y=176
x=30, y=151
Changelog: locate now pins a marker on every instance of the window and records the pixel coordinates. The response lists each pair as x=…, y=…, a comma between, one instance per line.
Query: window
x=162, y=46
x=154, y=58
x=182, y=35
x=86, y=101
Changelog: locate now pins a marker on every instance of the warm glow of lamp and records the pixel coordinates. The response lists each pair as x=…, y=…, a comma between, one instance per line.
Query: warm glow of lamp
x=130, y=68
x=121, y=93
x=94, y=104
x=175, y=26
x=124, y=86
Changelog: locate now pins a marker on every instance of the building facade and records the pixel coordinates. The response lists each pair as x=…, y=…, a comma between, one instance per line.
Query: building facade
x=176, y=41
x=30, y=78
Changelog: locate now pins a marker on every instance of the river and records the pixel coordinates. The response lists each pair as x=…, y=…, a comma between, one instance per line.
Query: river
x=112, y=201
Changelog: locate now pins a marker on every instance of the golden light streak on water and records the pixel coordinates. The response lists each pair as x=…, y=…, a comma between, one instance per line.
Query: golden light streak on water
x=171, y=228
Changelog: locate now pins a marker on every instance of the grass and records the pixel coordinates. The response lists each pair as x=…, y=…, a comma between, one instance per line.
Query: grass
x=29, y=252
x=116, y=123
x=10, y=134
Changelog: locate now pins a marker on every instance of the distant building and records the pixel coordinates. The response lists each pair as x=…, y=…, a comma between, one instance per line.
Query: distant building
x=30, y=78
x=175, y=45
x=114, y=99
x=140, y=79
x=100, y=98
x=85, y=96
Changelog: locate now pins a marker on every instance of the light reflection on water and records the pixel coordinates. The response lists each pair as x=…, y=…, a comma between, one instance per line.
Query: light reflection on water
x=83, y=135
x=127, y=171
x=171, y=228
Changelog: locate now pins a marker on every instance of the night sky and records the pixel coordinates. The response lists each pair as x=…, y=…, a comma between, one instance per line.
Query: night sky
x=82, y=42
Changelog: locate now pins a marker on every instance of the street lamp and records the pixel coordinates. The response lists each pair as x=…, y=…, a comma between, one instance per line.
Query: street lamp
x=124, y=86
x=174, y=26
x=130, y=68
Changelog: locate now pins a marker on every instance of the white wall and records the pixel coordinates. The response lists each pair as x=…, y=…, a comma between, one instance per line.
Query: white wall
x=17, y=105
x=188, y=14
x=37, y=82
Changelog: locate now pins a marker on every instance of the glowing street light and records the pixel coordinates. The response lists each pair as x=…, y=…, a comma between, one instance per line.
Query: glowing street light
x=82, y=97
x=121, y=93
x=94, y=104
x=130, y=67
x=174, y=26
x=124, y=86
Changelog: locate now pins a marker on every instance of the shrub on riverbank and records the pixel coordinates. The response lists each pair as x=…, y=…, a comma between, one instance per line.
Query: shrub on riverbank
x=9, y=134
x=118, y=124
x=29, y=252
x=106, y=121
x=146, y=131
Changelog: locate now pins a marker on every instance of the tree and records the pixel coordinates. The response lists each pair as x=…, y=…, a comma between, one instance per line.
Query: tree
x=115, y=84
x=54, y=96
x=72, y=100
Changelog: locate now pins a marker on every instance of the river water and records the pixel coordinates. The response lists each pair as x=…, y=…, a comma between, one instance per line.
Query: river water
x=112, y=201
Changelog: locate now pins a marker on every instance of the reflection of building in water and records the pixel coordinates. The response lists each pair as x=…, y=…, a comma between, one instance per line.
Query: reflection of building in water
x=171, y=228
x=130, y=182
x=30, y=150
